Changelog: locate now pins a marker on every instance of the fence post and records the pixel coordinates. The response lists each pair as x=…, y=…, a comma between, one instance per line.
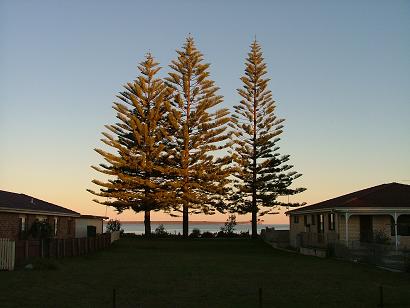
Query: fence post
x=26, y=250
x=50, y=243
x=260, y=298
x=64, y=252
x=72, y=247
x=114, y=299
x=381, y=304
x=13, y=255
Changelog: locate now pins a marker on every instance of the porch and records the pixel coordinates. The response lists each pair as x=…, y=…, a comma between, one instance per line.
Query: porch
x=381, y=227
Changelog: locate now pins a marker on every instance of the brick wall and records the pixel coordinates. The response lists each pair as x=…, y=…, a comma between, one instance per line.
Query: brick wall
x=296, y=228
x=383, y=223
x=10, y=225
x=354, y=228
x=64, y=230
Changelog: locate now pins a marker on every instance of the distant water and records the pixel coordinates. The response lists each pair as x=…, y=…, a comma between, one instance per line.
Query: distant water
x=175, y=228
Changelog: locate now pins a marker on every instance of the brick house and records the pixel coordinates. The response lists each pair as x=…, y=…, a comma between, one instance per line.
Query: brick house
x=19, y=211
x=377, y=213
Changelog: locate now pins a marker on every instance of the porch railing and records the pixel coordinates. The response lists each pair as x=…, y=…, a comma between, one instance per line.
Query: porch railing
x=310, y=239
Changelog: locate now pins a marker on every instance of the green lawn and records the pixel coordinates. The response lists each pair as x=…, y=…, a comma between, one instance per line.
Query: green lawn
x=201, y=273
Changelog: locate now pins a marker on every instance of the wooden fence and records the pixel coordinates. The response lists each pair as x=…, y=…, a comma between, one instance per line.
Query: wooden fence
x=7, y=254
x=59, y=248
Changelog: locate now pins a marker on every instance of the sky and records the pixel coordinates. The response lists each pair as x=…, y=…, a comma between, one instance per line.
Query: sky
x=339, y=70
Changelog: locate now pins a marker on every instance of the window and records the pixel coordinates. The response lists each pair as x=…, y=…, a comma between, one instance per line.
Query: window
x=331, y=218
x=305, y=220
x=22, y=224
x=55, y=226
x=403, y=225
x=321, y=223
x=295, y=219
x=313, y=222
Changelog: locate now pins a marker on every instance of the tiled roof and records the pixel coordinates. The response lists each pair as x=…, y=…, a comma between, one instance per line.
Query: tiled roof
x=10, y=201
x=392, y=195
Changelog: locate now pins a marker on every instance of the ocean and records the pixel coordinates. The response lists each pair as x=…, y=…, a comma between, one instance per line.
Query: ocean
x=176, y=227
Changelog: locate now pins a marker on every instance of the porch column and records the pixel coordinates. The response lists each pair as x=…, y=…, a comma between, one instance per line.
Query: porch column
x=347, y=216
x=395, y=231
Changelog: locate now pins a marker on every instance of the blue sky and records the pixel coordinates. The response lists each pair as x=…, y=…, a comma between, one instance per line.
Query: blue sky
x=340, y=72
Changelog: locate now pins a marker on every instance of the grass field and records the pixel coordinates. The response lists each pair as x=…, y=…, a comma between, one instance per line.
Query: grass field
x=201, y=273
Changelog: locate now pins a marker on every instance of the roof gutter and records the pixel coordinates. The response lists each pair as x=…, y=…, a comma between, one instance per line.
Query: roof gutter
x=23, y=211
x=351, y=210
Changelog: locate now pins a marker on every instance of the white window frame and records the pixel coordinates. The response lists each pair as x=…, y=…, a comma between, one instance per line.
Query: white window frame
x=55, y=226
x=23, y=223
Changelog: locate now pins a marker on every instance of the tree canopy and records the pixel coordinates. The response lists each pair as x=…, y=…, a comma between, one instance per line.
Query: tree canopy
x=261, y=172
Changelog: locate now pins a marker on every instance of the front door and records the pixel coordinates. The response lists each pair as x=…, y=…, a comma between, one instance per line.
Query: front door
x=366, y=228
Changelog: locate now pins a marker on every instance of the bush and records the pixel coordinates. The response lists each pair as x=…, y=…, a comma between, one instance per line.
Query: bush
x=207, y=234
x=195, y=233
x=244, y=234
x=160, y=231
x=222, y=234
x=380, y=237
x=113, y=225
x=41, y=230
x=406, y=262
x=230, y=224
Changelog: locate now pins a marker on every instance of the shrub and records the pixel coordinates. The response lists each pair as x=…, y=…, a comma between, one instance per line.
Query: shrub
x=113, y=225
x=41, y=229
x=160, y=231
x=230, y=224
x=407, y=263
x=244, y=234
x=195, y=233
x=221, y=234
x=207, y=234
x=380, y=237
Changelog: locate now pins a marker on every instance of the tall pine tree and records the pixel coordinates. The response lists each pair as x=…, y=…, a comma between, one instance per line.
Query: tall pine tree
x=261, y=173
x=200, y=131
x=137, y=169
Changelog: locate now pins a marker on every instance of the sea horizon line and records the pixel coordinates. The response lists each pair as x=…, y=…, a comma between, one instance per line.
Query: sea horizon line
x=171, y=222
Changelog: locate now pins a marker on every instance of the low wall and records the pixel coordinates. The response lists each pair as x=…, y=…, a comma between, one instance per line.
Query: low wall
x=278, y=237
x=376, y=254
x=317, y=252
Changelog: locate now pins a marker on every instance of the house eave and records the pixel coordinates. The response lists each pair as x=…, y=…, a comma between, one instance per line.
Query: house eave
x=93, y=217
x=367, y=210
x=49, y=213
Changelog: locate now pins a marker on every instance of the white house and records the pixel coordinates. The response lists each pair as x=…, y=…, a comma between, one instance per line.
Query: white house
x=89, y=225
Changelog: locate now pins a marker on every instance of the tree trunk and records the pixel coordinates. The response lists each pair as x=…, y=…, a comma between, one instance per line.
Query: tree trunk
x=254, y=175
x=147, y=223
x=254, y=218
x=185, y=221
